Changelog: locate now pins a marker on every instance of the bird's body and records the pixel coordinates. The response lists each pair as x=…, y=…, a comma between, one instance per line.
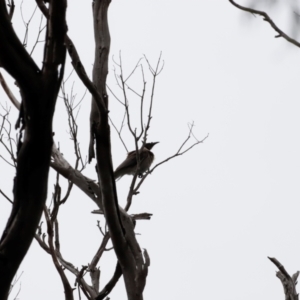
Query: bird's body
x=129, y=165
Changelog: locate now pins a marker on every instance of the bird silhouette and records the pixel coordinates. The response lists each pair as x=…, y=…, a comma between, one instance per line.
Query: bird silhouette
x=129, y=165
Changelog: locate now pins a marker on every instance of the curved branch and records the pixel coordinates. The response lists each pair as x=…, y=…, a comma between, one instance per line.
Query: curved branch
x=13, y=56
x=269, y=20
x=111, y=284
x=288, y=282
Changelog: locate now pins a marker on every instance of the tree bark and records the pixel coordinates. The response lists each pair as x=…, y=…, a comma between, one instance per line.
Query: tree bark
x=123, y=238
x=39, y=89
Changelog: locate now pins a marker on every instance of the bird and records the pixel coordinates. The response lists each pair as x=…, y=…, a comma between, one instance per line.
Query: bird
x=129, y=165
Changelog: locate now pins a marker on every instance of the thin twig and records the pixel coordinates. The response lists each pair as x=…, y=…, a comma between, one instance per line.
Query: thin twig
x=7, y=161
x=119, y=133
x=6, y=197
x=137, y=64
x=26, y=24
x=125, y=98
x=73, y=127
x=178, y=153
x=67, y=287
x=100, y=228
x=115, y=95
x=155, y=73
x=9, y=148
x=38, y=36
x=142, y=99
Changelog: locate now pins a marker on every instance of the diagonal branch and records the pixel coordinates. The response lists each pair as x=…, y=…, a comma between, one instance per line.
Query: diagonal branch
x=178, y=153
x=9, y=93
x=94, y=271
x=289, y=282
x=68, y=266
x=269, y=20
x=111, y=284
x=13, y=56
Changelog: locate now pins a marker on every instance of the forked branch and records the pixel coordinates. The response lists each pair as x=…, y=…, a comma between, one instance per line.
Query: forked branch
x=67, y=287
x=179, y=152
x=289, y=282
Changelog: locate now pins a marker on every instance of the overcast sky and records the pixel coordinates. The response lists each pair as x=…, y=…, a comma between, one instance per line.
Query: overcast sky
x=222, y=208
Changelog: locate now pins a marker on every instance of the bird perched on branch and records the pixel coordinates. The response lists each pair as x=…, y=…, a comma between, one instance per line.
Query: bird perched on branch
x=129, y=165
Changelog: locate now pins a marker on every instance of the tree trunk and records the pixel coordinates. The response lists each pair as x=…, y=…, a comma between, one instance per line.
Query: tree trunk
x=39, y=90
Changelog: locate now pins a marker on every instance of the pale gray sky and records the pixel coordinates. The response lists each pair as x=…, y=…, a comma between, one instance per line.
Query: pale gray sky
x=221, y=209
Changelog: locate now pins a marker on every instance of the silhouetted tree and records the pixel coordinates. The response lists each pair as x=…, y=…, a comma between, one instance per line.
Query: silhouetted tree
x=36, y=153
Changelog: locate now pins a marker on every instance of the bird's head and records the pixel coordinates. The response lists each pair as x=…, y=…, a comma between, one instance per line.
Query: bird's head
x=149, y=146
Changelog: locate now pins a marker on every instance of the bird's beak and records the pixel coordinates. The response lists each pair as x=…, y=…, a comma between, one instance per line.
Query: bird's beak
x=155, y=143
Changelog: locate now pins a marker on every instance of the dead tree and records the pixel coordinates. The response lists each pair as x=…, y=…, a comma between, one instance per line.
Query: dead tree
x=38, y=89
x=288, y=282
x=36, y=152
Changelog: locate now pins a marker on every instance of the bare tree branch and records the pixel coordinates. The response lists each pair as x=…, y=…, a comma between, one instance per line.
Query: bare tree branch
x=6, y=197
x=179, y=152
x=67, y=287
x=39, y=90
x=10, y=149
x=11, y=5
x=9, y=93
x=133, y=262
x=41, y=29
x=288, y=282
x=26, y=24
x=111, y=284
x=119, y=133
x=13, y=284
x=73, y=127
x=94, y=271
x=155, y=73
x=269, y=20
